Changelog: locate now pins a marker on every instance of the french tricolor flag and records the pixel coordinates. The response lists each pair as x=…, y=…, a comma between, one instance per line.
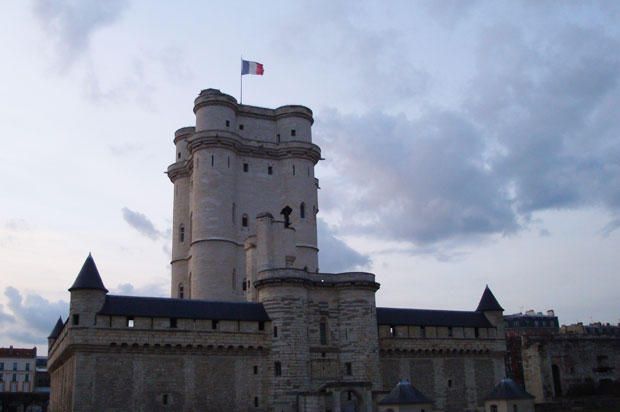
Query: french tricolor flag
x=248, y=67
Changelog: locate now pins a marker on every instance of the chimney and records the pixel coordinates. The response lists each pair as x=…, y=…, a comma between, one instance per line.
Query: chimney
x=550, y=312
x=530, y=312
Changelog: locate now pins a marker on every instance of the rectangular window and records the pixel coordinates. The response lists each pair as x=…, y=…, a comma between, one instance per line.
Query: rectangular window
x=269, y=170
x=1, y=366
x=27, y=366
x=76, y=319
x=450, y=333
x=130, y=321
x=277, y=367
x=323, y=333
x=477, y=332
x=227, y=123
x=246, y=167
x=392, y=330
x=173, y=322
x=256, y=401
x=349, y=368
x=449, y=383
x=275, y=331
x=514, y=408
x=1, y=377
x=14, y=366
x=261, y=325
x=293, y=132
x=164, y=399
x=214, y=324
x=255, y=370
x=14, y=377
x=422, y=332
x=244, y=285
x=240, y=127
x=27, y=378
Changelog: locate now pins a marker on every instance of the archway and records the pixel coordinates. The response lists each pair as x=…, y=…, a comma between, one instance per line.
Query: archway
x=350, y=401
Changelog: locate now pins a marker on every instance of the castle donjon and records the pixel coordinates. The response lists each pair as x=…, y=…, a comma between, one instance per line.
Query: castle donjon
x=252, y=324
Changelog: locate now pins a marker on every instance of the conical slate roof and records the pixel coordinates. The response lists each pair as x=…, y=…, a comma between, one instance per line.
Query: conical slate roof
x=57, y=329
x=404, y=393
x=508, y=389
x=488, y=302
x=88, y=278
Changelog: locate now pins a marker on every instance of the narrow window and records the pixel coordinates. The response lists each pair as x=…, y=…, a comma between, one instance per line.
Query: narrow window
x=14, y=366
x=181, y=290
x=181, y=233
x=256, y=401
x=197, y=162
x=212, y=160
x=323, y=332
x=244, y=220
x=173, y=322
x=514, y=408
x=349, y=395
x=450, y=331
x=26, y=378
x=278, y=138
x=477, y=332
x=234, y=212
x=269, y=170
x=308, y=172
x=240, y=127
x=246, y=167
x=244, y=285
x=1, y=366
x=449, y=383
x=293, y=132
x=293, y=170
x=277, y=368
x=179, y=155
x=191, y=218
x=422, y=332
x=214, y=324
x=76, y=319
x=234, y=279
x=164, y=399
x=275, y=331
x=349, y=368
x=227, y=123
x=255, y=370
x=261, y=325
x=14, y=377
x=229, y=162
x=392, y=330
x=130, y=322
x=302, y=210
x=493, y=408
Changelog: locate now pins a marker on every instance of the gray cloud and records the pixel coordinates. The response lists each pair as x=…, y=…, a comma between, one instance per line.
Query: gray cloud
x=336, y=256
x=142, y=224
x=32, y=319
x=128, y=289
x=70, y=24
x=538, y=131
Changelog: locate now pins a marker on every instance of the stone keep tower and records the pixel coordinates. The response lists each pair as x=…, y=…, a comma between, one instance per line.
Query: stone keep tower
x=237, y=162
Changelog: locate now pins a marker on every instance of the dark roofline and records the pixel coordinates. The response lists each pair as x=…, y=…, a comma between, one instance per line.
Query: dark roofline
x=431, y=317
x=89, y=277
x=488, y=302
x=116, y=305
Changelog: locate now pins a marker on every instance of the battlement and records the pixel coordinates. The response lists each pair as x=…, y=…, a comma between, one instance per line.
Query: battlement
x=279, y=275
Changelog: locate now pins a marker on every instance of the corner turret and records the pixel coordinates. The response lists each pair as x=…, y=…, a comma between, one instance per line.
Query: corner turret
x=87, y=295
x=55, y=332
x=491, y=308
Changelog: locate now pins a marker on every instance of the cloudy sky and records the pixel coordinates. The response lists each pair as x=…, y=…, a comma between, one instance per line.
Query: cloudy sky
x=465, y=143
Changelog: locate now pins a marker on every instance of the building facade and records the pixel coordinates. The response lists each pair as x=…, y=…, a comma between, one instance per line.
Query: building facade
x=17, y=369
x=252, y=324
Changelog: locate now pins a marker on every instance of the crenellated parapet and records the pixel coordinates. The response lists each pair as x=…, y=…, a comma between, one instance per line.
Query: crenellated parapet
x=320, y=280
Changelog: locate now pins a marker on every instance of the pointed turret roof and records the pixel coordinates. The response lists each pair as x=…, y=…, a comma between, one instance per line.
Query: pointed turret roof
x=488, y=302
x=404, y=393
x=508, y=389
x=57, y=329
x=88, y=278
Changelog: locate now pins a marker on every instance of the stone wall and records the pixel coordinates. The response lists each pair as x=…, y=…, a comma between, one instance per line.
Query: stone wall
x=576, y=358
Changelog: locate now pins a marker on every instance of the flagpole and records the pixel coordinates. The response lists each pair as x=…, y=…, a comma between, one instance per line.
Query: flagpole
x=241, y=80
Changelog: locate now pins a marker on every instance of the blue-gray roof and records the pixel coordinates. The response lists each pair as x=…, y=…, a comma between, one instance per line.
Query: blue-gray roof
x=88, y=278
x=57, y=329
x=182, y=308
x=404, y=393
x=488, y=302
x=429, y=317
x=508, y=389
